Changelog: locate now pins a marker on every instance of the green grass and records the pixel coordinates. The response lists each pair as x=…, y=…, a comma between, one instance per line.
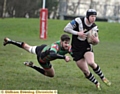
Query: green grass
x=68, y=78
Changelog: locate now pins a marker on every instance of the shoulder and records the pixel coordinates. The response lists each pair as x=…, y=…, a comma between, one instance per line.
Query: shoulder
x=55, y=45
x=78, y=20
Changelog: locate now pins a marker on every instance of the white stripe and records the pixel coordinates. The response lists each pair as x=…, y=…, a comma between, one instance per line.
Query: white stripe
x=32, y=49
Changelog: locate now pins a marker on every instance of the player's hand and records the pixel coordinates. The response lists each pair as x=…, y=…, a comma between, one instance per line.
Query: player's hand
x=95, y=40
x=82, y=35
x=67, y=58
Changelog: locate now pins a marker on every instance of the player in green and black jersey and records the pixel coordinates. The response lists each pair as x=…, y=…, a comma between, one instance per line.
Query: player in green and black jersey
x=45, y=53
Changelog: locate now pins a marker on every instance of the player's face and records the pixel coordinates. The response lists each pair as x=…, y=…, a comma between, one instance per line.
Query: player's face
x=65, y=44
x=92, y=18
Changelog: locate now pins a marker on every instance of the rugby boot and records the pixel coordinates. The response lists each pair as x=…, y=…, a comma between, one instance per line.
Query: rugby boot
x=98, y=86
x=106, y=81
x=6, y=41
x=29, y=64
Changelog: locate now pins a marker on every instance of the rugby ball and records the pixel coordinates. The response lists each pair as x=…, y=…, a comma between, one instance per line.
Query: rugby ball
x=90, y=34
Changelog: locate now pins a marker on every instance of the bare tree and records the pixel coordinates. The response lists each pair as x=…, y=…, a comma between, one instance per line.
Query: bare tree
x=74, y=6
x=4, y=8
x=52, y=6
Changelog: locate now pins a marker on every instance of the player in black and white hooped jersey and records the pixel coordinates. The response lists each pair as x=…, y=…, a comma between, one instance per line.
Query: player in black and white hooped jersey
x=82, y=50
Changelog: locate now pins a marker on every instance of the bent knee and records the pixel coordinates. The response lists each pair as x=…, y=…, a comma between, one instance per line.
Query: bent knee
x=51, y=76
x=49, y=72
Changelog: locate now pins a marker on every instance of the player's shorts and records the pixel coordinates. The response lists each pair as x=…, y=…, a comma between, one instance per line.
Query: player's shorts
x=77, y=55
x=45, y=65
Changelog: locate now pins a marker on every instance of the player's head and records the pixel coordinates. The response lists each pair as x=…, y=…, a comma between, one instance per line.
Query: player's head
x=65, y=37
x=90, y=12
x=65, y=40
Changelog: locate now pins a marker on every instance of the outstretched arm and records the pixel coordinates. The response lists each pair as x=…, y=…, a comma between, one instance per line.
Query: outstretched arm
x=58, y=56
x=53, y=54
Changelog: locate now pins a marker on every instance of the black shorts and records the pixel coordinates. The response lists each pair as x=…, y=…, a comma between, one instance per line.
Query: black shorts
x=45, y=65
x=77, y=55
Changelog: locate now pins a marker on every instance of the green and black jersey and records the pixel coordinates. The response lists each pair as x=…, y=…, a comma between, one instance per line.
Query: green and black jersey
x=53, y=51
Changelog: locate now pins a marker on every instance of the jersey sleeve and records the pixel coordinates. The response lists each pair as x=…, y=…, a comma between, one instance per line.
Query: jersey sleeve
x=53, y=52
x=54, y=47
x=80, y=25
x=70, y=27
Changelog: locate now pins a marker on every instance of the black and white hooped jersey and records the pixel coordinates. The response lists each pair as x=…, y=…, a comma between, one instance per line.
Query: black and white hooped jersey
x=77, y=25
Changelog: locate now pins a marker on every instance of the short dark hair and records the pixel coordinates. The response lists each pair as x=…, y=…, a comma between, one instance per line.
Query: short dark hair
x=65, y=37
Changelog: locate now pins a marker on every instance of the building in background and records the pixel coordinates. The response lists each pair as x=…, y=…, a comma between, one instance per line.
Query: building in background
x=106, y=10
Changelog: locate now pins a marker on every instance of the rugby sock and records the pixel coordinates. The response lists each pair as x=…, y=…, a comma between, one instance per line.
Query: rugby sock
x=99, y=72
x=19, y=44
x=92, y=78
x=38, y=69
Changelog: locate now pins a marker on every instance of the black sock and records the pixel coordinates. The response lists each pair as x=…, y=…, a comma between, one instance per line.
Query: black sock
x=99, y=72
x=42, y=71
x=92, y=78
x=19, y=44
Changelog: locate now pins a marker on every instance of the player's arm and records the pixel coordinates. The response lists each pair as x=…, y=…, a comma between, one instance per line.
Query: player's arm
x=53, y=53
x=95, y=40
x=58, y=56
x=69, y=28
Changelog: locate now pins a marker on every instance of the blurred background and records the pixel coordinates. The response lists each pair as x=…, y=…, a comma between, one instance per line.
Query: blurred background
x=108, y=10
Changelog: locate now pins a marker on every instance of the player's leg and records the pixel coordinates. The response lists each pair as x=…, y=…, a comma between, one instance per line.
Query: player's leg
x=84, y=67
x=23, y=45
x=89, y=56
x=99, y=72
x=49, y=71
x=48, y=68
x=9, y=41
x=30, y=64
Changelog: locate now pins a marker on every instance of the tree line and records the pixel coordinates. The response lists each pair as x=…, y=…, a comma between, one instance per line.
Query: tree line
x=26, y=8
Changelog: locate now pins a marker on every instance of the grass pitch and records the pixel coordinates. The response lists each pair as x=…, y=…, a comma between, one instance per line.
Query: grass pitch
x=68, y=78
